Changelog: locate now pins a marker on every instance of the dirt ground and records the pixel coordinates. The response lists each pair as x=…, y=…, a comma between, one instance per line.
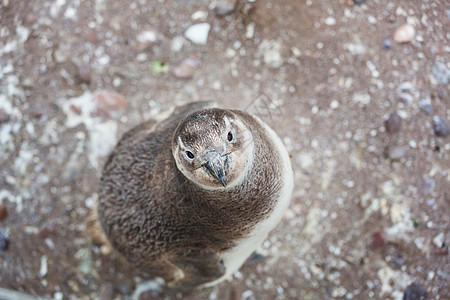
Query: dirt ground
x=370, y=212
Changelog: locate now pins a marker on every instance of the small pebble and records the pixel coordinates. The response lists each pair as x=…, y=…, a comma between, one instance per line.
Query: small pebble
x=84, y=72
x=146, y=39
x=404, y=34
x=438, y=240
x=378, y=239
x=272, y=53
x=440, y=72
x=429, y=185
x=425, y=106
x=359, y=1
x=44, y=266
x=406, y=86
x=147, y=289
x=393, y=123
x=334, y=104
x=61, y=55
x=58, y=296
x=391, y=19
x=47, y=231
x=199, y=15
x=406, y=98
x=4, y=117
x=415, y=292
x=396, y=152
x=399, y=261
x=177, y=43
x=250, y=31
x=141, y=57
x=441, y=128
x=248, y=294
x=108, y=103
x=198, y=33
x=387, y=44
x=186, y=69
x=92, y=37
x=4, y=243
x=224, y=7
x=3, y=212
x=30, y=19
x=330, y=21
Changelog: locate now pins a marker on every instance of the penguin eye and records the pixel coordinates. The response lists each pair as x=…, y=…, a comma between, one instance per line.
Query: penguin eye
x=230, y=136
x=189, y=155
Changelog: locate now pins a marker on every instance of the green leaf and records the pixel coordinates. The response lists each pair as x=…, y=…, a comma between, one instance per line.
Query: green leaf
x=158, y=67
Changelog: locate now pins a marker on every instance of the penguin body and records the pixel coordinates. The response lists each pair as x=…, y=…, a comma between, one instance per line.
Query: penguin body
x=191, y=197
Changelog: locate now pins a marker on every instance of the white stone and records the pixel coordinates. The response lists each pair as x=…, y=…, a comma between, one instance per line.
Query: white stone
x=334, y=104
x=250, y=31
x=438, y=240
x=104, y=60
x=330, y=21
x=229, y=53
x=199, y=15
x=70, y=13
x=371, y=19
x=404, y=34
x=198, y=33
x=147, y=37
x=43, y=270
x=296, y=51
x=177, y=43
x=392, y=280
x=248, y=294
x=430, y=276
x=363, y=99
x=141, y=57
x=271, y=51
x=357, y=47
x=58, y=296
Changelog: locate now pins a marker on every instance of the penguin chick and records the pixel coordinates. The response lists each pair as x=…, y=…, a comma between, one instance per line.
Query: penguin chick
x=191, y=197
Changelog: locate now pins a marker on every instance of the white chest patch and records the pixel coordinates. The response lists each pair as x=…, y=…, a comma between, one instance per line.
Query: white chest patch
x=235, y=257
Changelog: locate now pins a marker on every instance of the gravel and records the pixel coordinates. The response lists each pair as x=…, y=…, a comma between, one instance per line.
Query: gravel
x=440, y=126
x=4, y=243
x=440, y=72
x=404, y=34
x=198, y=33
x=75, y=75
x=393, y=123
x=224, y=7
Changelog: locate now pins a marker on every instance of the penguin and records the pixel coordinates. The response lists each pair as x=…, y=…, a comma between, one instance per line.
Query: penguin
x=188, y=199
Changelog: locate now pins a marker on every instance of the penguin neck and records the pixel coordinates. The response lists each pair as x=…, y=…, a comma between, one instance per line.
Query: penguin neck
x=234, y=211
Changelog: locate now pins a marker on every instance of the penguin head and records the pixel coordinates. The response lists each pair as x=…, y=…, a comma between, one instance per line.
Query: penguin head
x=213, y=148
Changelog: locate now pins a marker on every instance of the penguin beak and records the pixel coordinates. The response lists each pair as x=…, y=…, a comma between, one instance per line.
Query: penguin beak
x=217, y=165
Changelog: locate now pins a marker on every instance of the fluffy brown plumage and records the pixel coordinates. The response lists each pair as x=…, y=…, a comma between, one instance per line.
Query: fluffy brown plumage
x=165, y=224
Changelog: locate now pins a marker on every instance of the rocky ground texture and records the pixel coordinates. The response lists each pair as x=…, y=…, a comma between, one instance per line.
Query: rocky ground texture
x=358, y=91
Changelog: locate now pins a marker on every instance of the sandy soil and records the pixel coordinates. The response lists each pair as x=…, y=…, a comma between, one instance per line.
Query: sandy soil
x=371, y=207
